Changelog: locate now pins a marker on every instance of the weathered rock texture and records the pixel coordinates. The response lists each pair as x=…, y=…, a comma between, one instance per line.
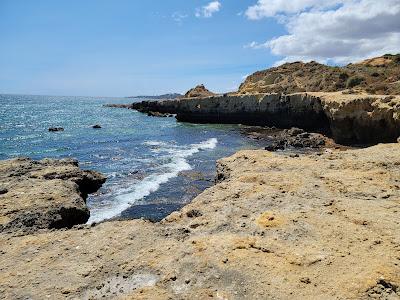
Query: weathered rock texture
x=349, y=118
x=198, y=91
x=380, y=75
x=296, y=138
x=44, y=194
x=274, y=227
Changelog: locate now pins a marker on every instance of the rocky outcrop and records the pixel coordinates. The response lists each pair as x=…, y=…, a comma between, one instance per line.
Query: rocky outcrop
x=380, y=75
x=44, y=194
x=348, y=118
x=199, y=91
x=275, y=227
x=296, y=138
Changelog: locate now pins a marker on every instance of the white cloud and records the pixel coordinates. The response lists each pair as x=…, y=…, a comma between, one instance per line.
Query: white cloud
x=337, y=30
x=178, y=17
x=254, y=45
x=270, y=8
x=208, y=10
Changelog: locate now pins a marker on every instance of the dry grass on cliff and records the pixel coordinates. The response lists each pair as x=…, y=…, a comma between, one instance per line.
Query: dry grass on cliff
x=379, y=75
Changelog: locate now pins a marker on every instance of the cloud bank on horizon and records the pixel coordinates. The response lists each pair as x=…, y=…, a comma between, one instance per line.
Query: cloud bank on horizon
x=338, y=31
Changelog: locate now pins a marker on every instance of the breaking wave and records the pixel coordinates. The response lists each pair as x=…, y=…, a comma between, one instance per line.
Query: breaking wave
x=175, y=161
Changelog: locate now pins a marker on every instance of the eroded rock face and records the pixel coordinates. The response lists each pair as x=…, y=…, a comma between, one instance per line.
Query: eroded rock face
x=319, y=226
x=44, y=194
x=348, y=118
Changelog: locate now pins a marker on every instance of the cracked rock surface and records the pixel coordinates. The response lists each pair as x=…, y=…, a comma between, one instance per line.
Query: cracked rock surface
x=316, y=226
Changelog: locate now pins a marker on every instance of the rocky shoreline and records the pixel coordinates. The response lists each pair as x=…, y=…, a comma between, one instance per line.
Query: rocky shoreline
x=348, y=118
x=46, y=194
x=274, y=226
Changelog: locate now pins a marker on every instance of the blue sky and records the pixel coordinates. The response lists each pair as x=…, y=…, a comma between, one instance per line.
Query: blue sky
x=121, y=47
x=132, y=47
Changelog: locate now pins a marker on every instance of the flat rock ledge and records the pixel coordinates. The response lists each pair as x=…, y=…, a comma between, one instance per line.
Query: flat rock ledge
x=312, y=226
x=348, y=118
x=44, y=194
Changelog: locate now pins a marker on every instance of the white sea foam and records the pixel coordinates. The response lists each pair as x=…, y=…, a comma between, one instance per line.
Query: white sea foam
x=177, y=163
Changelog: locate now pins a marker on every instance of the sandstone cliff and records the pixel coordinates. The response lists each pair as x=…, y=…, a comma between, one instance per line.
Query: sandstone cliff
x=349, y=118
x=380, y=75
x=320, y=226
x=44, y=194
x=198, y=91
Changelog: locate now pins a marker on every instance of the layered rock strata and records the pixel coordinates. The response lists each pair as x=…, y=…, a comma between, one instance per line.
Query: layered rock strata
x=44, y=194
x=349, y=118
x=319, y=226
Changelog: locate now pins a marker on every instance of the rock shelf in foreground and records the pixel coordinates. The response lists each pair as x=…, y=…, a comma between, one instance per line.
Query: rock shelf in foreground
x=348, y=118
x=317, y=226
x=44, y=194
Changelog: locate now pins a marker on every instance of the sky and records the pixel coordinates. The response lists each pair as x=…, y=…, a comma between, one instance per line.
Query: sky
x=132, y=47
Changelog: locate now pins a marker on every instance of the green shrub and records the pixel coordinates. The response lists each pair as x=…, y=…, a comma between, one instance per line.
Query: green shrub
x=343, y=76
x=354, y=81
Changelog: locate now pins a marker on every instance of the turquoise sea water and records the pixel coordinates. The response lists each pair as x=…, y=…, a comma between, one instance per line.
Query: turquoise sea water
x=153, y=165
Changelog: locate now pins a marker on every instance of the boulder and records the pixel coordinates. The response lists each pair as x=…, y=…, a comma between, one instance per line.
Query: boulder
x=97, y=126
x=44, y=194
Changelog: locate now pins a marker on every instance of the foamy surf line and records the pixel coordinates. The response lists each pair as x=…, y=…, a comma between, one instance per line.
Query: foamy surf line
x=128, y=196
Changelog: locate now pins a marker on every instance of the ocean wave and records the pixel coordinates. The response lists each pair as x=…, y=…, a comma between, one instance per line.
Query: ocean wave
x=177, y=163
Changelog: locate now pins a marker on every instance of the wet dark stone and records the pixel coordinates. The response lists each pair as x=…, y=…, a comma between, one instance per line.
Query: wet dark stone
x=151, y=212
x=56, y=129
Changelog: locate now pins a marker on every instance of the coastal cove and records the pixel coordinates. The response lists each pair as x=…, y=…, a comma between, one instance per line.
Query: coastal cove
x=200, y=150
x=153, y=165
x=197, y=208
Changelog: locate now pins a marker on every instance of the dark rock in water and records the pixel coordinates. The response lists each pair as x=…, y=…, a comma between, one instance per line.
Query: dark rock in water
x=151, y=212
x=278, y=145
x=56, y=129
x=44, y=194
x=97, y=126
x=297, y=138
x=159, y=114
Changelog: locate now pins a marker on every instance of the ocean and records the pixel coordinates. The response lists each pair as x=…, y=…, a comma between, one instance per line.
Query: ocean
x=153, y=165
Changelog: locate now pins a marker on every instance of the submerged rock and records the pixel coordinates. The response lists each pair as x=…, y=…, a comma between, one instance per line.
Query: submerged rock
x=44, y=194
x=97, y=126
